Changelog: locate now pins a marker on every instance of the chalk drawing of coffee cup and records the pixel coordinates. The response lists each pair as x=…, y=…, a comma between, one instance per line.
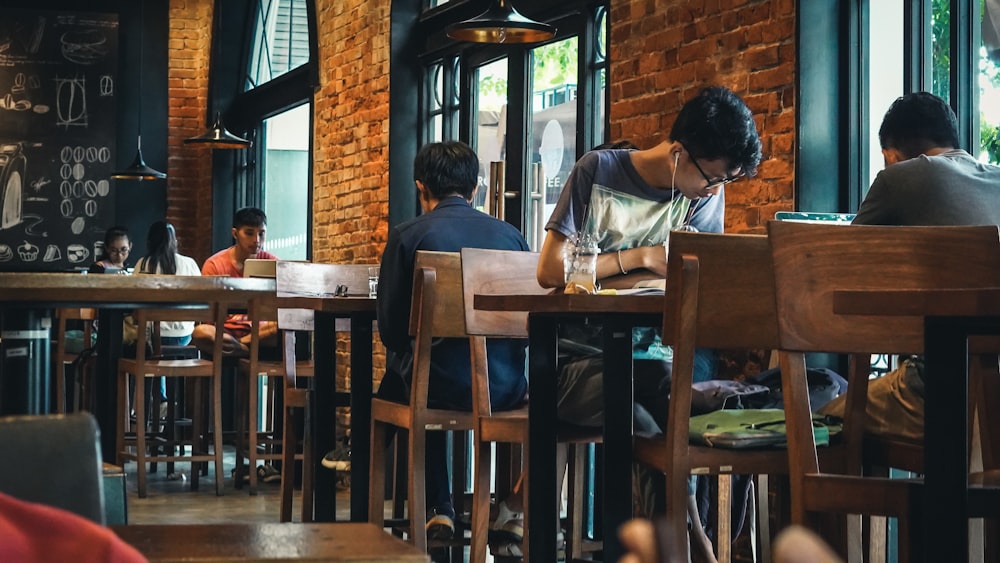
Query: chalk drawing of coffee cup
x=77, y=253
x=5, y=253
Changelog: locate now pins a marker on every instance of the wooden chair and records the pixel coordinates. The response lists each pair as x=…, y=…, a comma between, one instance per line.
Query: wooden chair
x=810, y=263
x=147, y=365
x=256, y=445
x=436, y=312
x=304, y=279
x=61, y=358
x=481, y=275
x=719, y=294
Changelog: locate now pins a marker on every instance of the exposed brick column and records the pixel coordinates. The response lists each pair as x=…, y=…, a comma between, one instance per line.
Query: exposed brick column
x=351, y=141
x=663, y=51
x=189, y=168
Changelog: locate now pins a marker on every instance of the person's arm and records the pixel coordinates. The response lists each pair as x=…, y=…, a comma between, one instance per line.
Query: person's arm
x=647, y=262
x=876, y=209
x=395, y=290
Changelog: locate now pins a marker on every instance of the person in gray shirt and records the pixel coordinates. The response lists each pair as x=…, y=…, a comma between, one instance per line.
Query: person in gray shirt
x=927, y=181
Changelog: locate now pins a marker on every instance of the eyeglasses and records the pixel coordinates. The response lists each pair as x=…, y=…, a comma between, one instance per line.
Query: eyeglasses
x=711, y=183
x=119, y=251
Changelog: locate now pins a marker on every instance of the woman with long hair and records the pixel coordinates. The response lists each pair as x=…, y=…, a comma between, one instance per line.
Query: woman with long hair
x=163, y=258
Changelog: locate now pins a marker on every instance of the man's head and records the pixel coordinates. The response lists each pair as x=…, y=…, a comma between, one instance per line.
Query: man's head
x=915, y=124
x=249, y=227
x=446, y=169
x=717, y=126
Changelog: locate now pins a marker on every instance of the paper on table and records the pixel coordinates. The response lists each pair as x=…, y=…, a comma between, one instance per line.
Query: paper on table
x=645, y=287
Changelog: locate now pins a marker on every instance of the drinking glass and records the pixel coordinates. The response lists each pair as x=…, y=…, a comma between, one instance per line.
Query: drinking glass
x=580, y=262
x=372, y=282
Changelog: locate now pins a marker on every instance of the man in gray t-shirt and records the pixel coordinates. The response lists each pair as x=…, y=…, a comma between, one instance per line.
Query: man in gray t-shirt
x=926, y=181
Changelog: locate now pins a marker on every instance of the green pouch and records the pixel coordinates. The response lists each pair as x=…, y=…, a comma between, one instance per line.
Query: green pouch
x=754, y=428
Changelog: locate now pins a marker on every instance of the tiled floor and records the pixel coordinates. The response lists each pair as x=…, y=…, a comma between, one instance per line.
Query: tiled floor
x=171, y=501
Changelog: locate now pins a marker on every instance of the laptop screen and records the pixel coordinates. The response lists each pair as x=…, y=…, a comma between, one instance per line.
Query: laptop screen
x=257, y=268
x=821, y=218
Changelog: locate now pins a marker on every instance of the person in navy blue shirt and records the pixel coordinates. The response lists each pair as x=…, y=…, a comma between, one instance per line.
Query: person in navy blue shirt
x=446, y=176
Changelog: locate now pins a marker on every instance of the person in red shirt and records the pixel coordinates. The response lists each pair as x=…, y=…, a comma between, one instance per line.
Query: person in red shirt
x=249, y=230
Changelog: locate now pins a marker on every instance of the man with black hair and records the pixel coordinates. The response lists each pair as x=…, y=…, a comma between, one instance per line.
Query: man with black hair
x=927, y=181
x=446, y=176
x=629, y=201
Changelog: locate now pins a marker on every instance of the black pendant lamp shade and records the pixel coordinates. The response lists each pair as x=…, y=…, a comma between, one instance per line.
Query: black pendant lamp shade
x=138, y=170
x=501, y=23
x=218, y=137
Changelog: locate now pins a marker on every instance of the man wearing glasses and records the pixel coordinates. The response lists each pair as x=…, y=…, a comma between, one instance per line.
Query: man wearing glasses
x=629, y=201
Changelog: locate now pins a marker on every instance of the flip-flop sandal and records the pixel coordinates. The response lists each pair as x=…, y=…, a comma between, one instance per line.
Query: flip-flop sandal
x=508, y=526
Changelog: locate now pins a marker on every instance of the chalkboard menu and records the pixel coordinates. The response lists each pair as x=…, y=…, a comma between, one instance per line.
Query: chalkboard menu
x=58, y=82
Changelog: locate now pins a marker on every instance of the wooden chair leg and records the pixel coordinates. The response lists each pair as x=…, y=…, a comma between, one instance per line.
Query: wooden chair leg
x=376, y=474
x=287, y=465
x=252, y=401
x=140, y=435
x=724, y=511
x=401, y=474
x=480, y=501
x=574, y=493
x=416, y=487
x=308, y=469
x=123, y=417
x=220, y=485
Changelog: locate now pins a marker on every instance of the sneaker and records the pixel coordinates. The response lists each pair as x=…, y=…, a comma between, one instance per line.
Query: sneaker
x=339, y=458
x=268, y=474
x=513, y=549
x=441, y=523
x=508, y=526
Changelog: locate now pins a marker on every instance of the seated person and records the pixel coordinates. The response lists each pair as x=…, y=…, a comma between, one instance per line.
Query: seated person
x=629, y=201
x=117, y=246
x=249, y=229
x=928, y=181
x=35, y=532
x=163, y=258
x=446, y=176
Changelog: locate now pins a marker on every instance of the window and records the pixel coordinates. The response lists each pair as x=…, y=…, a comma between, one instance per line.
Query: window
x=286, y=182
x=481, y=93
x=280, y=41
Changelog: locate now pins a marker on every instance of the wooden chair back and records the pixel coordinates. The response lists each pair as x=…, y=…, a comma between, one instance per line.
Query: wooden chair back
x=498, y=272
x=811, y=262
x=719, y=294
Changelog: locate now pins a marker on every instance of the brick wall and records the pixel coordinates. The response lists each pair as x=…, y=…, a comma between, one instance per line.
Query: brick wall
x=189, y=167
x=351, y=140
x=663, y=51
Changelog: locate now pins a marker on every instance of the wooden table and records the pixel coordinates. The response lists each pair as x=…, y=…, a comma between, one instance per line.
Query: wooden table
x=114, y=294
x=950, y=317
x=617, y=314
x=354, y=542
x=360, y=313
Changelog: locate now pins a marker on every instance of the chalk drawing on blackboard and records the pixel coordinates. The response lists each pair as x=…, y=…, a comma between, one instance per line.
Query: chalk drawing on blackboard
x=71, y=102
x=77, y=225
x=31, y=221
x=78, y=154
x=32, y=39
x=5, y=253
x=79, y=171
x=103, y=188
x=27, y=252
x=65, y=189
x=103, y=154
x=18, y=86
x=90, y=188
x=38, y=183
x=90, y=207
x=12, y=169
x=33, y=82
x=77, y=253
x=52, y=253
x=9, y=103
x=84, y=47
x=107, y=86
x=40, y=108
x=91, y=154
x=66, y=208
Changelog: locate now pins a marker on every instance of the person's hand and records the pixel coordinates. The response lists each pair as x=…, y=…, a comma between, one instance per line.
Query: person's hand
x=639, y=538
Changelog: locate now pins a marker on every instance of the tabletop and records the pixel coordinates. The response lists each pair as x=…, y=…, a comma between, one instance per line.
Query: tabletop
x=354, y=542
x=124, y=291
x=570, y=303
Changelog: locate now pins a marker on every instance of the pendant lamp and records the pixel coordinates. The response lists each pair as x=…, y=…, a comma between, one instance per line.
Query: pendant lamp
x=139, y=170
x=501, y=23
x=218, y=137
